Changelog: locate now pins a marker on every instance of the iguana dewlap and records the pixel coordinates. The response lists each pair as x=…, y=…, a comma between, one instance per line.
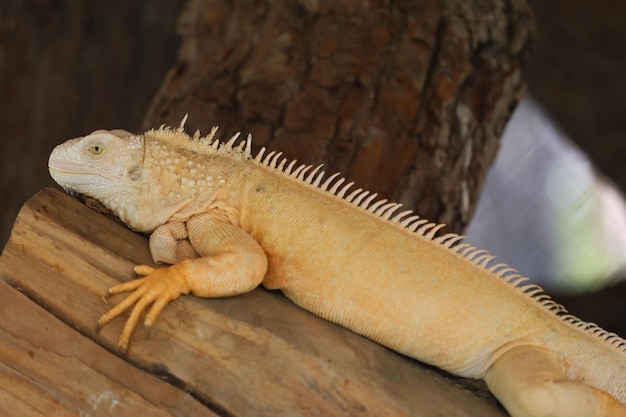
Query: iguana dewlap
x=229, y=222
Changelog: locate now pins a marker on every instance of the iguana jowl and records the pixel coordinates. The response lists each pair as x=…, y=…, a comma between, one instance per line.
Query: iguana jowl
x=228, y=222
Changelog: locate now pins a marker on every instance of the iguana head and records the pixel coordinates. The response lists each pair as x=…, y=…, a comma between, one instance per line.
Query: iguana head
x=105, y=165
x=150, y=179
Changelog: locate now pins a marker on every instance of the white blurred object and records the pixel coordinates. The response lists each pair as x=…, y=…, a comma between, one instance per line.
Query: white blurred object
x=545, y=211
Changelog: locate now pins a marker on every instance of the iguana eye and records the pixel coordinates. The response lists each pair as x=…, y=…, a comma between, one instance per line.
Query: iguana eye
x=96, y=150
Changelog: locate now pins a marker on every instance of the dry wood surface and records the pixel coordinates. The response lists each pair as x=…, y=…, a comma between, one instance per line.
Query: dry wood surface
x=251, y=355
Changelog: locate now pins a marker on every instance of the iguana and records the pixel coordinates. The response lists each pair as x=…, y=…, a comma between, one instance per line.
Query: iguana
x=228, y=221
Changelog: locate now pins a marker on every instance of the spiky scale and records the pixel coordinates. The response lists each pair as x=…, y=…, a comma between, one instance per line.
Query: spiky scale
x=328, y=182
x=231, y=141
x=259, y=156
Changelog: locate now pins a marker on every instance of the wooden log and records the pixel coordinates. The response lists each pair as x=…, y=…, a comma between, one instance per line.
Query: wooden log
x=49, y=369
x=255, y=354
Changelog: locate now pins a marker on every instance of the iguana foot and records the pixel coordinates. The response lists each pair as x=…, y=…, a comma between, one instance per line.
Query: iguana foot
x=158, y=287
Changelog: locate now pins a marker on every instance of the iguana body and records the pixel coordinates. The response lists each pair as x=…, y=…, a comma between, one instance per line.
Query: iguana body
x=229, y=222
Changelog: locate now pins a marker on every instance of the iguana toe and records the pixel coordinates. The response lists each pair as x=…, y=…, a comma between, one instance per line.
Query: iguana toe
x=158, y=287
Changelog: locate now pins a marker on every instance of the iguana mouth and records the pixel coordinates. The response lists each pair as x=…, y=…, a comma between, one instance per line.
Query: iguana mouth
x=90, y=202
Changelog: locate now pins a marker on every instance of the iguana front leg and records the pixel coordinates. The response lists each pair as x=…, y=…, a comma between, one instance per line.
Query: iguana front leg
x=230, y=263
x=169, y=243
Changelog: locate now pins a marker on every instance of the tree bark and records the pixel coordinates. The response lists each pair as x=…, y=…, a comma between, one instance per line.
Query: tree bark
x=407, y=99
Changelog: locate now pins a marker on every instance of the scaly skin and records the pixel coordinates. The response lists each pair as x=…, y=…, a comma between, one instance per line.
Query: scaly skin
x=228, y=222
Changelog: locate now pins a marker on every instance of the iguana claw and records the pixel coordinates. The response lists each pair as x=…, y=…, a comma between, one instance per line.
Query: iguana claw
x=158, y=287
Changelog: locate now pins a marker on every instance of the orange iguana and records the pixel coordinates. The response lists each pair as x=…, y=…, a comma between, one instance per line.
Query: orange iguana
x=228, y=222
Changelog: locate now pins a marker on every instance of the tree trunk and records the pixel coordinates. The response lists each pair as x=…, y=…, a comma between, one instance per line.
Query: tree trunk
x=407, y=99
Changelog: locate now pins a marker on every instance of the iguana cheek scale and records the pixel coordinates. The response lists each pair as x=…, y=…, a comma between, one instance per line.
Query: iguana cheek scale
x=228, y=222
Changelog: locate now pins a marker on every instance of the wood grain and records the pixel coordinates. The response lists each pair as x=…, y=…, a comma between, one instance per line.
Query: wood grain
x=255, y=354
x=49, y=369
